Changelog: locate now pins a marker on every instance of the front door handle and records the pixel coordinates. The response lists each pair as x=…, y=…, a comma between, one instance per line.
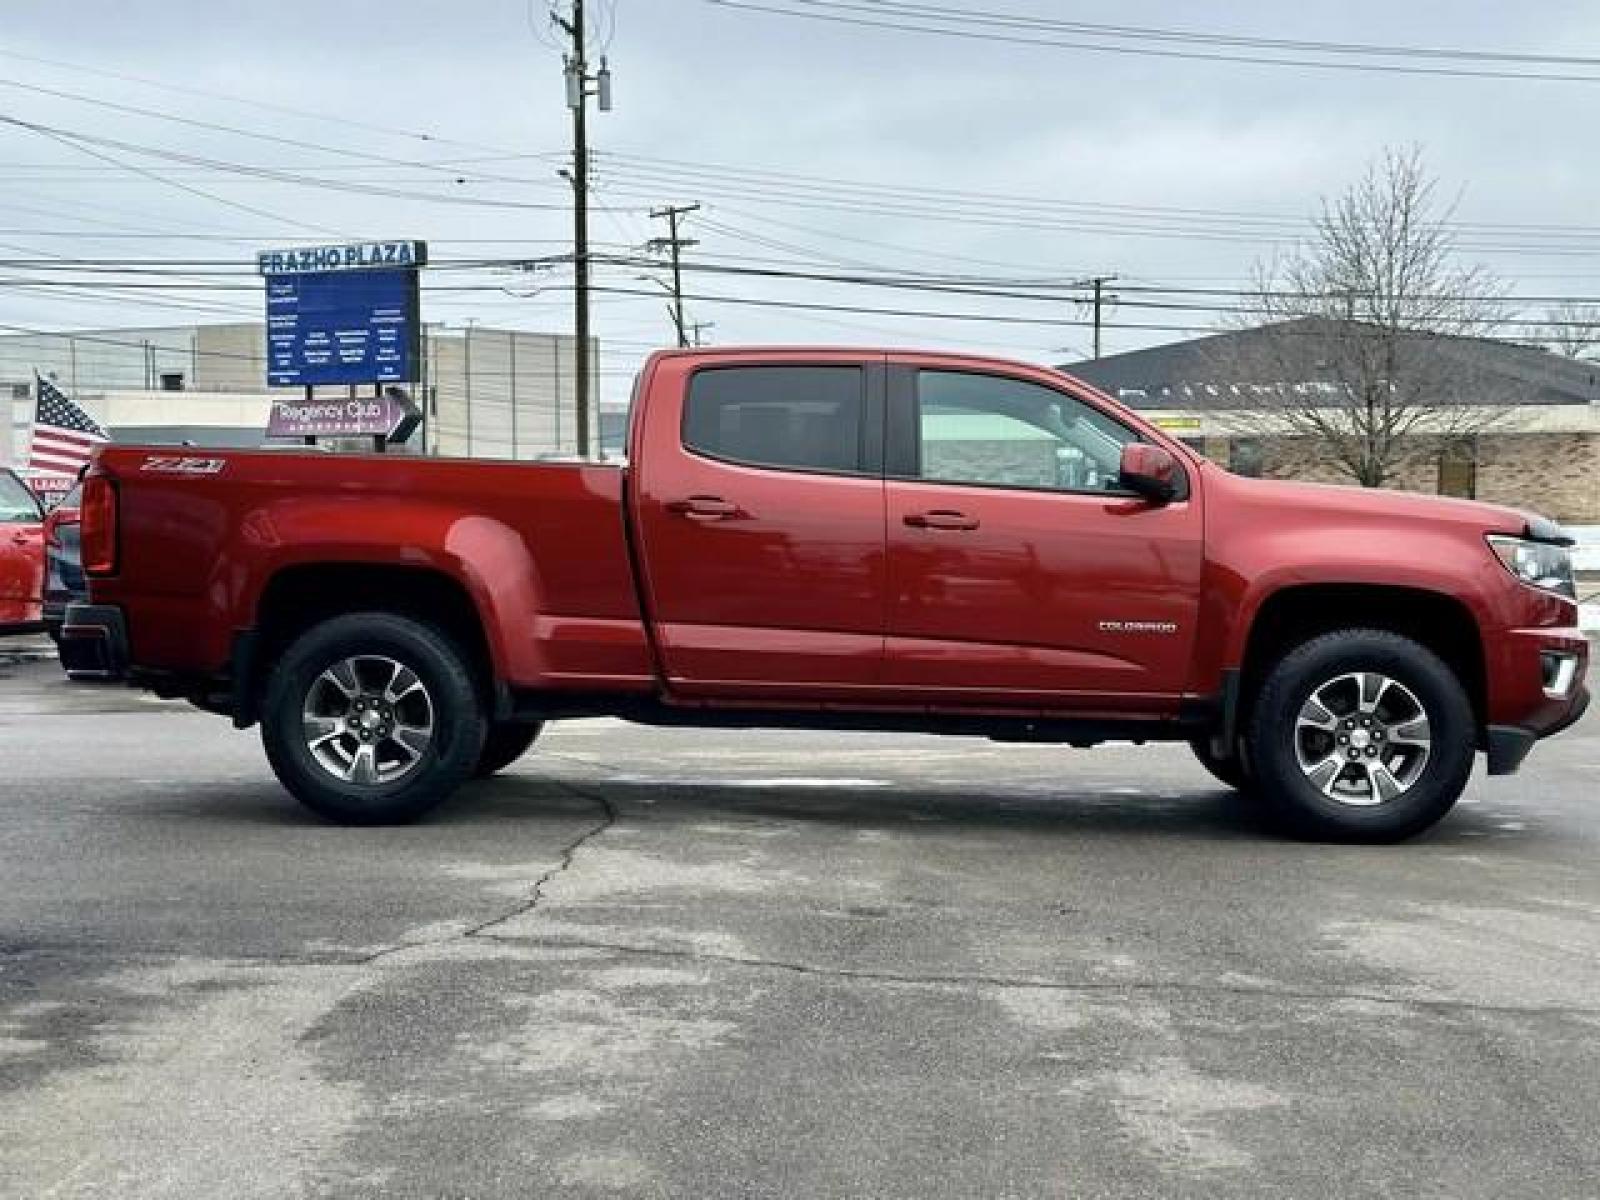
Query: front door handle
x=703, y=508
x=941, y=518
x=21, y=539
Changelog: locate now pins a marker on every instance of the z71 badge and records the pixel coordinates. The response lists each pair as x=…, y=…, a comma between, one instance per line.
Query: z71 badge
x=177, y=465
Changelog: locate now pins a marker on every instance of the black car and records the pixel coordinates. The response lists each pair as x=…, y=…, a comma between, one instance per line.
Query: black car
x=63, y=563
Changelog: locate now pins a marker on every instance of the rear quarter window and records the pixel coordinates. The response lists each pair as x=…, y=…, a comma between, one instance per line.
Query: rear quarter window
x=793, y=418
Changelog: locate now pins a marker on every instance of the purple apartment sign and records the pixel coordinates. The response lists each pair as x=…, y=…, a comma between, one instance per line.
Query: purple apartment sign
x=379, y=416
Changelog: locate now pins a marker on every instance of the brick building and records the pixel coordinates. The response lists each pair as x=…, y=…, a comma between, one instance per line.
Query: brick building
x=1537, y=447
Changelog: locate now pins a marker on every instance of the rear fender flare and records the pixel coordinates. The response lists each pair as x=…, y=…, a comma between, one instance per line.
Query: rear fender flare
x=486, y=557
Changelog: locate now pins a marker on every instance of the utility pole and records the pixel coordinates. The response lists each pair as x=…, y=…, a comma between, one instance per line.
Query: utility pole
x=1098, y=283
x=675, y=243
x=580, y=86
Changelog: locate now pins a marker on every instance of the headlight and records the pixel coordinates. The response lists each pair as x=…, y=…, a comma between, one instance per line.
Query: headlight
x=1537, y=564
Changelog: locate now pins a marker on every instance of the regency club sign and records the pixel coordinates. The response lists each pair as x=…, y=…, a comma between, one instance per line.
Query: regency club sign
x=360, y=417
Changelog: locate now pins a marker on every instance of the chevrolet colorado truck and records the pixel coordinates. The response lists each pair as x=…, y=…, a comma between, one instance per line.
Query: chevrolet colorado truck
x=836, y=539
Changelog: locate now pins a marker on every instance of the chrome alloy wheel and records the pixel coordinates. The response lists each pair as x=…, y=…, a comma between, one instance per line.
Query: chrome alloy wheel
x=368, y=720
x=1362, y=738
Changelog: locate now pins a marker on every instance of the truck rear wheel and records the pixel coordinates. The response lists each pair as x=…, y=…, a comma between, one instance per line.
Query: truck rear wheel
x=1361, y=735
x=372, y=718
x=506, y=743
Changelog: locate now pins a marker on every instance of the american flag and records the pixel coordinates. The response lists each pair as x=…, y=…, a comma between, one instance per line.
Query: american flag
x=63, y=434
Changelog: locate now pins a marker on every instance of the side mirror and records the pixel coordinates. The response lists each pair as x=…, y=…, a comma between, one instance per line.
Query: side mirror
x=1150, y=471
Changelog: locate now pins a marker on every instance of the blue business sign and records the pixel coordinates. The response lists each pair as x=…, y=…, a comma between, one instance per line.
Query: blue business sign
x=343, y=314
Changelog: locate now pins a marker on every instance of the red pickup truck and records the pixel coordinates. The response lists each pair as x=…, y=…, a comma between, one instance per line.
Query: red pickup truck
x=838, y=539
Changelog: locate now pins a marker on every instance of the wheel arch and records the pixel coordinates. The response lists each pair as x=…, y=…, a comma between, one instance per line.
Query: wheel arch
x=300, y=596
x=1293, y=615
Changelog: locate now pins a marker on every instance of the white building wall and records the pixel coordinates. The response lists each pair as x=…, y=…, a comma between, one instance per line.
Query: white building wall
x=15, y=415
x=497, y=393
x=504, y=394
x=230, y=358
x=94, y=360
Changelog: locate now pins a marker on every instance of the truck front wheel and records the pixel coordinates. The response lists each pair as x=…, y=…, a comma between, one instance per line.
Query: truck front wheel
x=1361, y=735
x=372, y=718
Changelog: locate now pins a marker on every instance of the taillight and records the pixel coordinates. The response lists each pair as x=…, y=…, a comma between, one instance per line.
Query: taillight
x=98, y=526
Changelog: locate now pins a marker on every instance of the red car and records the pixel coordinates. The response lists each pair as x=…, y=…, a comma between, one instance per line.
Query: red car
x=837, y=539
x=21, y=554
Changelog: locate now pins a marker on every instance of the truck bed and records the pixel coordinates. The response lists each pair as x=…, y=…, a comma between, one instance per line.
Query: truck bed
x=212, y=527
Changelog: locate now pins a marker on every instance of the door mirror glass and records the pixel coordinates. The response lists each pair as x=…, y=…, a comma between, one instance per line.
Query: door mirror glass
x=1151, y=471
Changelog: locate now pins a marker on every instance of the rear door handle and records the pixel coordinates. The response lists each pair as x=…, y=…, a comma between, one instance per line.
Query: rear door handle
x=703, y=508
x=941, y=518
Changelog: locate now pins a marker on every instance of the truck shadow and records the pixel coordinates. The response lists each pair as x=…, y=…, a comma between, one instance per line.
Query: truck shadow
x=1201, y=813
x=1211, y=813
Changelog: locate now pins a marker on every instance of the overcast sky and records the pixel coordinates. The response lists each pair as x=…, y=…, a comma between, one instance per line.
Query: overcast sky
x=715, y=89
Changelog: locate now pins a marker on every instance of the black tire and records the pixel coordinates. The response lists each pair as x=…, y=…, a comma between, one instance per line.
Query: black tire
x=436, y=768
x=506, y=743
x=1275, y=744
x=1230, y=771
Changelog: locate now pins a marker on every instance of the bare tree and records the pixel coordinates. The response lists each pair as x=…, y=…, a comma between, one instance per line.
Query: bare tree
x=1573, y=330
x=1362, y=353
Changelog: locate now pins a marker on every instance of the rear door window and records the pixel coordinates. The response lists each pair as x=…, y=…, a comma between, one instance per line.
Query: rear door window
x=792, y=418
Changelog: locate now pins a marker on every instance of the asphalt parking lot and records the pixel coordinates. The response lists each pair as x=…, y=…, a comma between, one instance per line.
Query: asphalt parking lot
x=698, y=964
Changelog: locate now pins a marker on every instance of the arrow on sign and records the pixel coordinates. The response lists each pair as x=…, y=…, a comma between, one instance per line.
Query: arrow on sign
x=404, y=412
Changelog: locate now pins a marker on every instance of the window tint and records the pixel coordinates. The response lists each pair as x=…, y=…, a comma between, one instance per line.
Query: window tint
x=803, y=418
x=16, y=501
x=986, y=429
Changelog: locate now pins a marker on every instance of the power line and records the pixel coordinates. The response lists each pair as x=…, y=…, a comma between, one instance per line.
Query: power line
x=828, y=193
x=801, y=184
x=1052, y=216
x=277, y=139
x=951, y=12
x=886, y=15
x=265, y=105
x=1005, y=318
x=84, y=140
x=1051, y=291
x=180, y=274
x=77, y=143
x=1124, y=220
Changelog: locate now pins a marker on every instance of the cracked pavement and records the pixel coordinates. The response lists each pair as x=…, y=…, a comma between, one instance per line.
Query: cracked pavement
x=673, y=963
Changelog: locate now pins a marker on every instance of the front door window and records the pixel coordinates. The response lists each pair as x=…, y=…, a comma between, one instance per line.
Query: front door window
x=983, y=429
